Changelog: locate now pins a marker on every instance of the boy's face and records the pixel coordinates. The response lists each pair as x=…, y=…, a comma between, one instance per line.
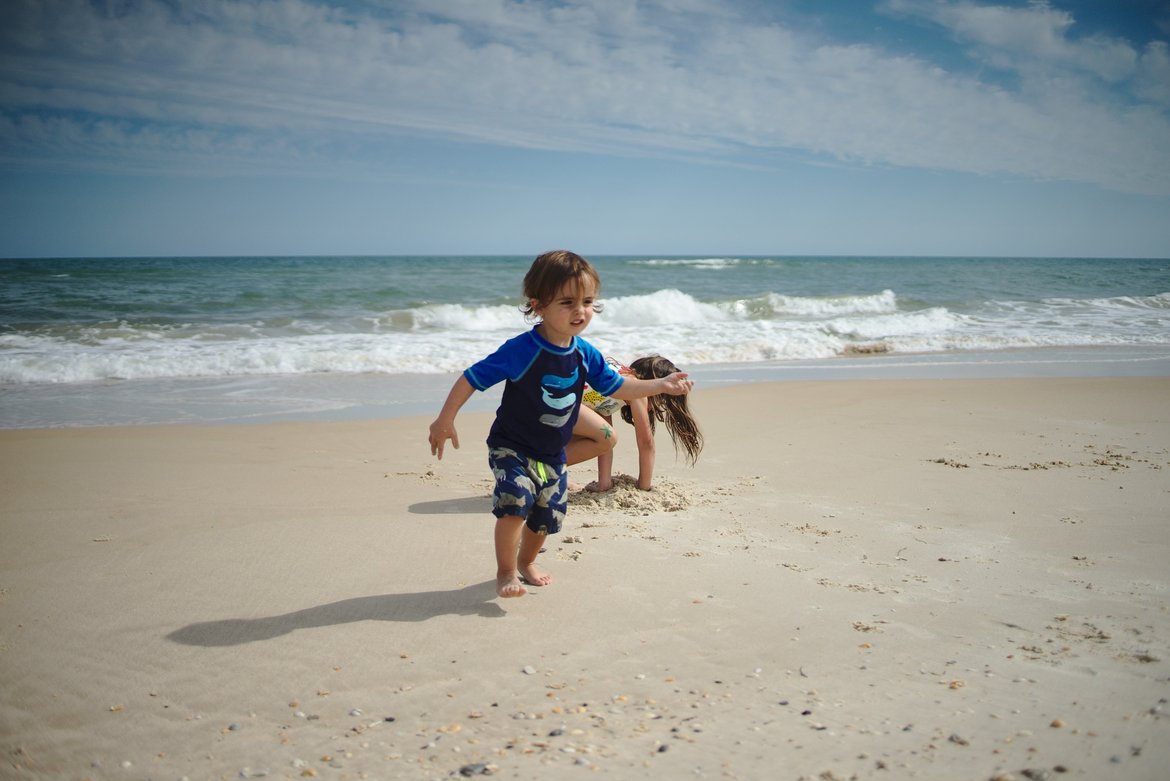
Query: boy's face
x=569, y=313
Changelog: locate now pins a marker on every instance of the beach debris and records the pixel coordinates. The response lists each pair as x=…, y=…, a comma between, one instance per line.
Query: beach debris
x=1035, y=773
x=529, y=670
x=1044, y=465
x=477, y=769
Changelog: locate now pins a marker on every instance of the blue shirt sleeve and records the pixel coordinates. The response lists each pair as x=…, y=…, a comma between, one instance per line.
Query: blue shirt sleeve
x=602, y=377
x=509, y=362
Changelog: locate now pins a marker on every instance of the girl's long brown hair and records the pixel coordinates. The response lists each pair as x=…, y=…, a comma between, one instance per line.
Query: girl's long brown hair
x=671, y=410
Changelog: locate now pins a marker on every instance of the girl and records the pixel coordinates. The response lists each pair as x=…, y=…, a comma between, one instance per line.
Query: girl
x=596, y=419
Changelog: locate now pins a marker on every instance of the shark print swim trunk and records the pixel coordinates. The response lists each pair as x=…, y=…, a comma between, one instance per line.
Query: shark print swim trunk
x=533, y=490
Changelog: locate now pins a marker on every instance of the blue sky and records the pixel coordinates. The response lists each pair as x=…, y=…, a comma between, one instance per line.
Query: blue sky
x=919, y=127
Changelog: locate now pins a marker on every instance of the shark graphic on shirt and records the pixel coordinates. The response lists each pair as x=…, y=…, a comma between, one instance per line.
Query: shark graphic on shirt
x=550, y=385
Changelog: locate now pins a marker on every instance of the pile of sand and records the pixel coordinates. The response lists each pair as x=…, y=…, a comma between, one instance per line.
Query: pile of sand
x=625, y=498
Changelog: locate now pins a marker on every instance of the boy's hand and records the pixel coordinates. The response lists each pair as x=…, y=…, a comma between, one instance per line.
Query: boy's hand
x=440, y=433
x=677, y=384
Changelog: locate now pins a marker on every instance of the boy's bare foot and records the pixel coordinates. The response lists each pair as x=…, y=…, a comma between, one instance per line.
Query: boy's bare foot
x=534, y=575
x=598, y=487
x=508, y=585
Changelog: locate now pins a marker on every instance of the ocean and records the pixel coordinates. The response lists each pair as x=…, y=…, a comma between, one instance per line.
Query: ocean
x=111, y=341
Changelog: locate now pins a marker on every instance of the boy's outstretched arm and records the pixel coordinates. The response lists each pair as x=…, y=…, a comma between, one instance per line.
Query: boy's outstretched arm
x=444, y=426
x=675, y=384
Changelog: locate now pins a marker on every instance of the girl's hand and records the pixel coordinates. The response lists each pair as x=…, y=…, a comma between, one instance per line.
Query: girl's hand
x=677, y=384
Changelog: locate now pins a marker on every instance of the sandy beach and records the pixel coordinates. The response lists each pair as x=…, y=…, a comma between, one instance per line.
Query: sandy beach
x=887, y=579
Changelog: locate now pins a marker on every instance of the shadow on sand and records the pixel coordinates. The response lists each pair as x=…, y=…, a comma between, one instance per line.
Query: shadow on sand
x=469, y=601
x=468, y=504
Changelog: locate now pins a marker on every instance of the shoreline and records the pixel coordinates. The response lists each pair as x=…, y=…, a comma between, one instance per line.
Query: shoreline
x=272, y=398
x=921, y=579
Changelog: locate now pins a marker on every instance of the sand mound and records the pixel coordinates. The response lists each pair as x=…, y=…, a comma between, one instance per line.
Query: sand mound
x=666, y=496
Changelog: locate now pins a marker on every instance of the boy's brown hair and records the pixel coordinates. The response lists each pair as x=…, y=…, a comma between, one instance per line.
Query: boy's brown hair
x=552, y=271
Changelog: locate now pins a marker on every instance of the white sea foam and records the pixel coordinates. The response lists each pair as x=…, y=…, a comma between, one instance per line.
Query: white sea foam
x=700, y=263
x=448, y=337
x=879, y=303
x=662, y=307
x=454, y=318
x=926, y=322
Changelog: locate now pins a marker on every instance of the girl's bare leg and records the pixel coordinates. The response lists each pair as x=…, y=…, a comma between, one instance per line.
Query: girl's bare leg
x=530, y=545
x=508, y=536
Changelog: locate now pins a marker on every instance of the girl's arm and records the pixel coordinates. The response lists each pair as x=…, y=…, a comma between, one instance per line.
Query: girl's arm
x=444, y=426
x=640, y=414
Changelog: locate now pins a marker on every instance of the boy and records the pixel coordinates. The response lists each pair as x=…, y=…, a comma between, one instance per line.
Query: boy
x=545, y=370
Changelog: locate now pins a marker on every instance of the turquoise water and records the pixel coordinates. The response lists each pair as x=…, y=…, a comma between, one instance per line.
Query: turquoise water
x=82, y=324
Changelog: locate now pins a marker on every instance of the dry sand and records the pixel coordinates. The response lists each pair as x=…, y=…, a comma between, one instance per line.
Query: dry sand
x=886, y=580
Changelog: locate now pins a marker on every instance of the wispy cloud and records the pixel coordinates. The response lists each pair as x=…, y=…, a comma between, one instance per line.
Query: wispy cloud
x=210, y=86
x=1032, y=37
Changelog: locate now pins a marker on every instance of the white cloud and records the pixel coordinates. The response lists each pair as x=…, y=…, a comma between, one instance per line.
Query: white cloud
x=618, y=77
x=1031, y=37
x=1153, y=79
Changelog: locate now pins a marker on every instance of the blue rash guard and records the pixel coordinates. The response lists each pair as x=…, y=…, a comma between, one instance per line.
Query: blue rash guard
x=542, y=394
